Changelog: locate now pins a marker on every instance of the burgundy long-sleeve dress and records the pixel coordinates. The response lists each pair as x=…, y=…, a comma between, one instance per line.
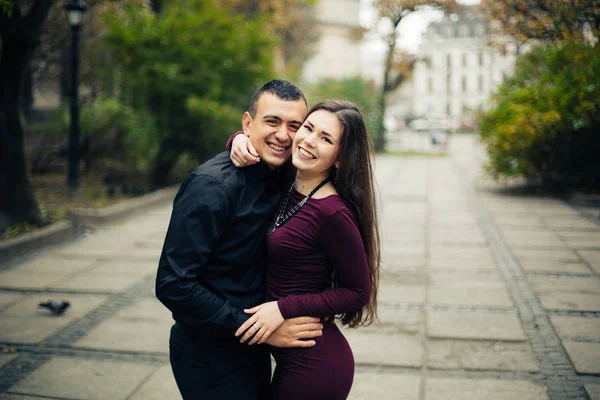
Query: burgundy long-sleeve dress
x=322, y=237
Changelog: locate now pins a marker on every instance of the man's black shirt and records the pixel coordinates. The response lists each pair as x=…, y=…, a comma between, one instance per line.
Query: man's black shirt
x=212, y=262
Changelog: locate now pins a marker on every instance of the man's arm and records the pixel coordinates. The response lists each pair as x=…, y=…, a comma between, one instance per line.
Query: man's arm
x=200, y=212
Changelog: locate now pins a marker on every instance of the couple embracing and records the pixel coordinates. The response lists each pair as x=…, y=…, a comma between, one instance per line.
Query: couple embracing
x=264, y=258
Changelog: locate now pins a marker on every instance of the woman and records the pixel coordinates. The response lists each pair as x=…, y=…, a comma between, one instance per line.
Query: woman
x=323, y=253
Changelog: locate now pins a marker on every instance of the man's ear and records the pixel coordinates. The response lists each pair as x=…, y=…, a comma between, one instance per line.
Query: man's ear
x=246, y=120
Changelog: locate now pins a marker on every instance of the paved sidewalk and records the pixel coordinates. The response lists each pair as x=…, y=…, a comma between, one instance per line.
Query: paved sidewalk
x=483, y=296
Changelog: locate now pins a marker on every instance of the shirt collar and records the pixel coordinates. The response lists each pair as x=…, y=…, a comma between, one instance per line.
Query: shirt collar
x=261, y=172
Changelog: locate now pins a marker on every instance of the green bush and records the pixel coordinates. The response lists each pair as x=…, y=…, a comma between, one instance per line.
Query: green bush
x=356, y=90
x=193, y=68
x=544, y=123
x=112, y=129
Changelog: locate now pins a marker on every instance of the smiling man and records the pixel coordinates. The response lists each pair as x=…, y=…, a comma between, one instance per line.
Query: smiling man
x=212, y=263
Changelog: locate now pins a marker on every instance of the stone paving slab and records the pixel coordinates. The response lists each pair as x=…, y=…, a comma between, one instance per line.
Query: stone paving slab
x=545, y=254
x=8, y=298
x=485, y=297
x=448, y=260
x=583, y=244
x=481, y=355
x=569, y=223
x=570, y=301
x=592, y=257
x=465, y=280
x=512, y=221
x=593, y=390
x=555, y=266
x=385, y=386
x=65, y=377
x=397, y=349
x=461, y=253
x=472, y=265
x=576, y=284
x=100, y=281
x=577, y=328
x=160, y=386
x=478, y=389
x=584, y=356
x=6, y=358
x=125, y=268
x=53, y=265
x=474, y=325
x=122, y=335
x=533, y=239
x=8, y=396
x=401, y=293
x=397, y=320
x=23, y=322
x=20, y=280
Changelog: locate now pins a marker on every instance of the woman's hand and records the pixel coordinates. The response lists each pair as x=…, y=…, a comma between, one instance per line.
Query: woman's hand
x=266, y=319
x=242, y=152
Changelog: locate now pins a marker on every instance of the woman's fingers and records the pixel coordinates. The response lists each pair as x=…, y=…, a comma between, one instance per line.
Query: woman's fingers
x=249, y=322
x=252, y=310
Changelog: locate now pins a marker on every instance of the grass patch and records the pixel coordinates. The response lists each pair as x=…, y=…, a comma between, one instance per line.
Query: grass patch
x=55, y=202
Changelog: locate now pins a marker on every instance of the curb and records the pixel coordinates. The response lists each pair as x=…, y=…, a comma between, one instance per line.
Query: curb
x=79, y=220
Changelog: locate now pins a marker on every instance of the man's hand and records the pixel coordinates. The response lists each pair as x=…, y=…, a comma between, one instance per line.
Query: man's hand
x=242, y=152
x=292, y=332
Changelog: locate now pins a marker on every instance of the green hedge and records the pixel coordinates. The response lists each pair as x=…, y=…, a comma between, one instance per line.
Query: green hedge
x=545, y=121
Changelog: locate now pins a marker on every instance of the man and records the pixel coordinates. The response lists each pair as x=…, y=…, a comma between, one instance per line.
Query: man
x=211, y=267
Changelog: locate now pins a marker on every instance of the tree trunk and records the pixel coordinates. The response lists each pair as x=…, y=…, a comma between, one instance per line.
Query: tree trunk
x=166, y=158
x=17, y=203
x=19, y=36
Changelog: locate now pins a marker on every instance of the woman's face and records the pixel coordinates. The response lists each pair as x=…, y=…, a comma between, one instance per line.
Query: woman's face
x=317, y=143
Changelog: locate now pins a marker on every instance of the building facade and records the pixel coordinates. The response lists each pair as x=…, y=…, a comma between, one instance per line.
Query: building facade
x=337, y=53
x=458, y=69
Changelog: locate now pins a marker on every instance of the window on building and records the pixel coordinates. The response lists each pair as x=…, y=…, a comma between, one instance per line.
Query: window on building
x=480, y=83
x=464, y=83
x=480, y=30
x=463, y=31
x=448, y=109
x=448, y=61
x=480, y=56
x=464, y=59
x=430, y=84
x=465, y=109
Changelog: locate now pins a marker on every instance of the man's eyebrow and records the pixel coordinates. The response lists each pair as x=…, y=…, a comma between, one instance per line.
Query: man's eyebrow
x=272, y=117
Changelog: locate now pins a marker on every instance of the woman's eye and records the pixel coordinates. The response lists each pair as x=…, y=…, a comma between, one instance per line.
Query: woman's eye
x=308, y=128
x=326, y=139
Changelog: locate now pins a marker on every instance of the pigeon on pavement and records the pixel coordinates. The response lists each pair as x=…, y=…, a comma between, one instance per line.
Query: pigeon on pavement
x=56, y=307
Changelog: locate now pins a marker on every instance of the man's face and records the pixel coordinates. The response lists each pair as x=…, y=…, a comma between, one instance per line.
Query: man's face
x=273, y=128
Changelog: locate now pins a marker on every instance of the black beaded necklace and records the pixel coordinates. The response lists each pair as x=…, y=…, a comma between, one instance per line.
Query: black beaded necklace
x=283, y=217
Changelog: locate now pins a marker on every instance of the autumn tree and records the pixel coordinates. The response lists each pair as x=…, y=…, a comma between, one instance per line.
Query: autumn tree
x=560, y=20
x=292, y=22
x=398, y=65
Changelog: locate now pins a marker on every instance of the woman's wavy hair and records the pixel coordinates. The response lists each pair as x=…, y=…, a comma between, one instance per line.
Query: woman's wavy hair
x=355, y=183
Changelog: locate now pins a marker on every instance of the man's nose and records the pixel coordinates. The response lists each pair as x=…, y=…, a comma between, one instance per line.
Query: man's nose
x=282, y=134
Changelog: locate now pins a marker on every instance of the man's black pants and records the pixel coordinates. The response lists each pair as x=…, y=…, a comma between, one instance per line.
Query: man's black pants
x=219, y=369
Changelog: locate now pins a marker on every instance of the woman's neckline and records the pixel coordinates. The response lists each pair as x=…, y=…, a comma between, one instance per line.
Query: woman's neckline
x=314, y=198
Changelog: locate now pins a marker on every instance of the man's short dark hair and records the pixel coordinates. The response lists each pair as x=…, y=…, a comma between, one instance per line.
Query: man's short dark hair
x=283, y=90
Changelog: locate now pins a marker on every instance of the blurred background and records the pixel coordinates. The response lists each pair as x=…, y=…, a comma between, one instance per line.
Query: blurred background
x=163, y=83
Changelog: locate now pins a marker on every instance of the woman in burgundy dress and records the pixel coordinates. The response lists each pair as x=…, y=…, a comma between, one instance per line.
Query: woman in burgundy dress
x=323, y=254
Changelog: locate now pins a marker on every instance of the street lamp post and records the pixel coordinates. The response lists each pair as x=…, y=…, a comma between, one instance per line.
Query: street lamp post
x=74, y=10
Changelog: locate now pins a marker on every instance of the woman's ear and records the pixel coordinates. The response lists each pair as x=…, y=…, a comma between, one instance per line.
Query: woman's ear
x=337, y=164
x=246, y=121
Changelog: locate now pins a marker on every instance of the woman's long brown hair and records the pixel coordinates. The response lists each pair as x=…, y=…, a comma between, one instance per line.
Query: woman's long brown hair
x=355, y=183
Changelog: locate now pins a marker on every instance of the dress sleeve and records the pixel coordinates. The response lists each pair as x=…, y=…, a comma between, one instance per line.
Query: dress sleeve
x=342, y=243
x=230, y=140
x=201, y=210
